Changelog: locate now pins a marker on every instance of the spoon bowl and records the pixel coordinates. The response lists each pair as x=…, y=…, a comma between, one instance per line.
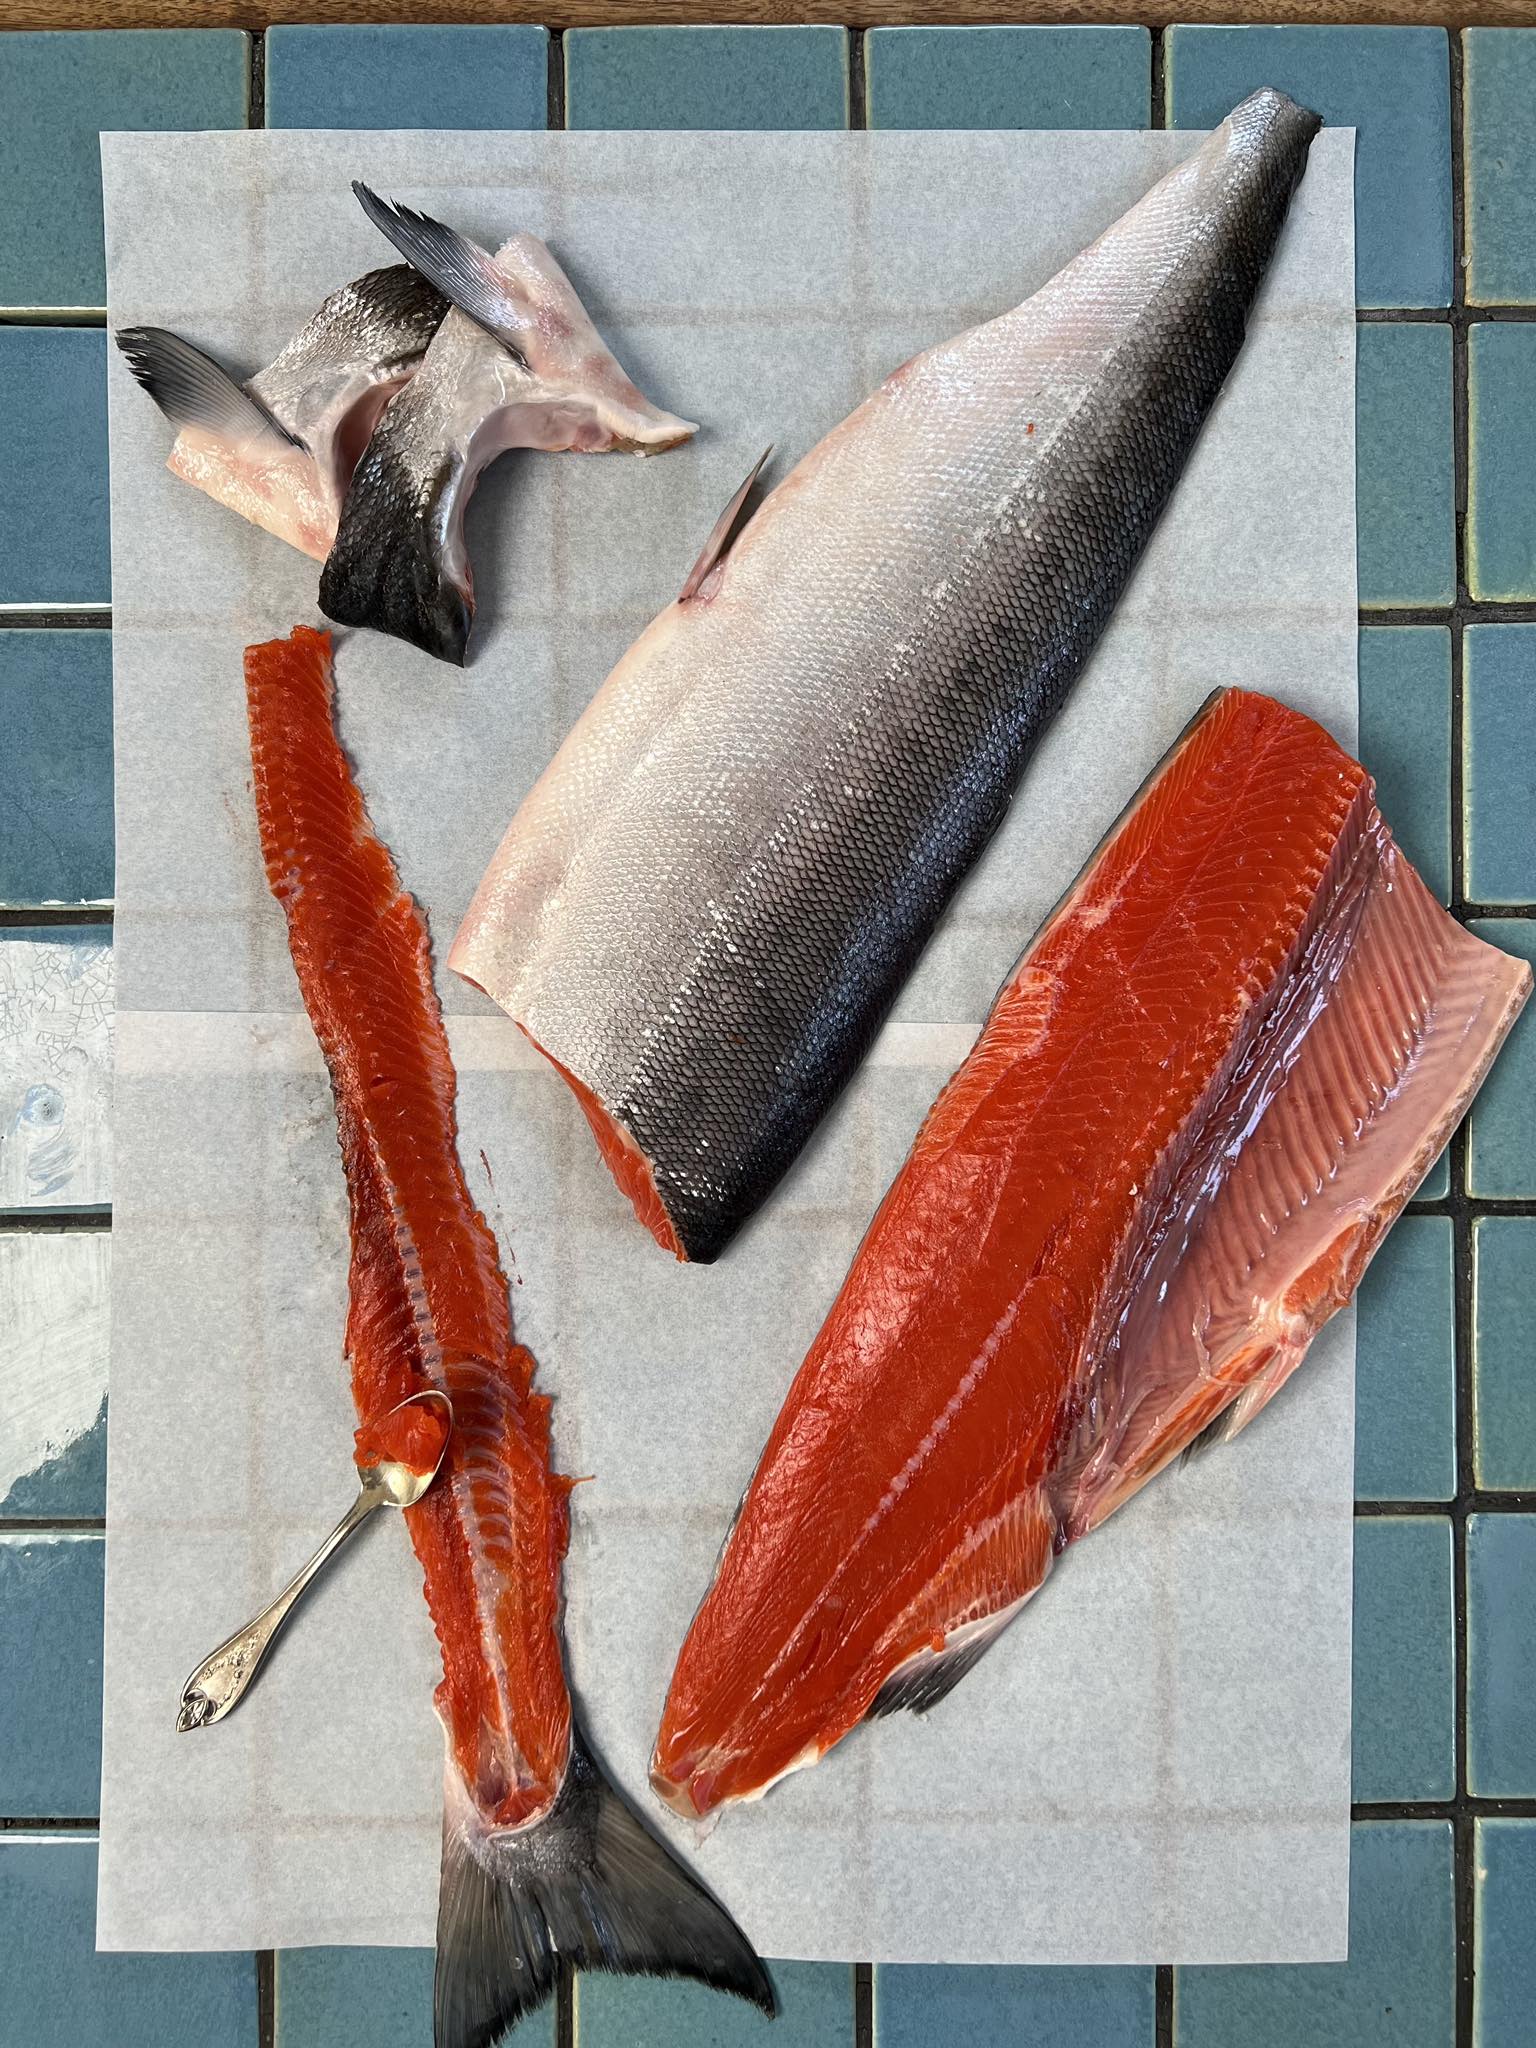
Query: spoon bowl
x=400, y=1485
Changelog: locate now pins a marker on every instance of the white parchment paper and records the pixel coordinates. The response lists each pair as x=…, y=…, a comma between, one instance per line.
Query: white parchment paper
x=1154, y=1763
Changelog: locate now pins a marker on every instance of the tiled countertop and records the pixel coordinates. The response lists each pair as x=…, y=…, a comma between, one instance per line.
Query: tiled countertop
x=1443, y=1886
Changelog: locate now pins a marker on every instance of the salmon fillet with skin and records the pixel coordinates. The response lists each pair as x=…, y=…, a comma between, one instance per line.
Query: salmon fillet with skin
x=542, y=1857
x=1197, y=1106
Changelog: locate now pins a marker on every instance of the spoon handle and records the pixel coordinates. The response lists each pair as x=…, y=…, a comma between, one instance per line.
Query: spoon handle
x=219, y=1682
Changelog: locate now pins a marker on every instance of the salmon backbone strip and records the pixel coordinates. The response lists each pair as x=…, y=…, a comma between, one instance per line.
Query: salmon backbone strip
x=542, y=1857
x=1197, y=1106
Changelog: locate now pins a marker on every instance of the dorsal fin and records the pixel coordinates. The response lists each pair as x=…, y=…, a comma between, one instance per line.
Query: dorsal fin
x=722, y=531
x=193, y=391
x=461, y=270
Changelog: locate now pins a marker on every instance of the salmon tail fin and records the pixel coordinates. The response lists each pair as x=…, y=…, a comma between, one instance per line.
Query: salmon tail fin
x=589, y=1885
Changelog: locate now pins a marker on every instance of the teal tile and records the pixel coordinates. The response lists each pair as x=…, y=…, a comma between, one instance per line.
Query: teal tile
x=53, y=1312
x=1404, y=1666
x=1405, y=503
x=1008, y=77
x=333, y=1997
x=1398, y=1989
x=706, y=78
x=56, y=713
x=1503, y=1363
x=1499, y=97
x=1499, y=761
x=57, y=1992
x=1405, y=1372
x=1405, y=740
x=1501, y=1656
x=1504, y=1956
x=918, y=2004
x=407, y=77
x=1501, y=462
x=53, y=466
x=50, y=1675
x=57, y=92
x=1501, y=1145
x=1390, y=84
x=815, y=2011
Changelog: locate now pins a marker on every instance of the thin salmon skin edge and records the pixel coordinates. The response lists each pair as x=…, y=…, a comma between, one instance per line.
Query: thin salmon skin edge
x=544, y=1860
x=1050, y=1304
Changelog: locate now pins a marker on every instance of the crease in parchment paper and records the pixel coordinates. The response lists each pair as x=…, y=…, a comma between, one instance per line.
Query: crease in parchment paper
x=1153, y=1765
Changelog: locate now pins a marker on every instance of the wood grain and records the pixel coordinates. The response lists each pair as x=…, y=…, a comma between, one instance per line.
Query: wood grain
x=254, y=14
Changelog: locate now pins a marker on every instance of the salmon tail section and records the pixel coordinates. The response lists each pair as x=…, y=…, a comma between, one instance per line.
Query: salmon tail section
x=587, y=1884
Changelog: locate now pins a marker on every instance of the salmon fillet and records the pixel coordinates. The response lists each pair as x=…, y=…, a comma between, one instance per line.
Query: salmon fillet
x=1198, y=1104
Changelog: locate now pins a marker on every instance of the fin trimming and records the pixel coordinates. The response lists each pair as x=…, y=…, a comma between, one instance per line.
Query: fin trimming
x=722, y=531
x=192, y=391
x=460, y=270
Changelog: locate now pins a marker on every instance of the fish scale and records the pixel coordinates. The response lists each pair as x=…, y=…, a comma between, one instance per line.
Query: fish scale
x=826, y=734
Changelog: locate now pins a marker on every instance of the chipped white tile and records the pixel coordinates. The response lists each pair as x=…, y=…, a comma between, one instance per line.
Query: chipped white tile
x=55, y=1069
x=53, y=1347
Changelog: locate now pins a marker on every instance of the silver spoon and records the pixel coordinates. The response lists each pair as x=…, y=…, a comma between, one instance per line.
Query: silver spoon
x=219, y=1682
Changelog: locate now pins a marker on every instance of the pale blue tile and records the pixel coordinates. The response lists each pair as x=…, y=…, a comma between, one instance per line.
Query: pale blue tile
x=1504, y=1965
x=1404, y=1665
x=1405, y=1373
x=50, y=1675
x=1504, y=1351
x=706, y=78
x=1501, y=1656
x=57, y=1992
x=1499, y=97
x=1390, y=84
x=1501, y=1146
x=1398, y=1989
x=55, y=1067
x=56, y=821
x=57, y=92
x=53, y=1325
x=815, y=2011
x=920, y=2004
x=1405, y=740
x=335, y=1997
x=407, y=77
x=1405, y=502
x=1499, y=761
x=53, y=466
x=1042, y=77
x=1501, y=462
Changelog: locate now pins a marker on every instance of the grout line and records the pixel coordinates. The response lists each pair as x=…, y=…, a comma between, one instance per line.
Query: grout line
x=21, y=916
x=863, y=2005
x=858, y=80
x=554, y=106
x=1476, y=613
x=566, y=2004
x=55, y=1222
x=52, y=1525
x=53, y=316
x=256, y=82
x=266, y=1998
x=1373, y=316
x=1159, y=82
x=52, y=1825
x=23, y=618
x=1163, y=2021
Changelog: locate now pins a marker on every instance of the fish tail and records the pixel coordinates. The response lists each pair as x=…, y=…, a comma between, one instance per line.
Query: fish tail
x=589, y=1884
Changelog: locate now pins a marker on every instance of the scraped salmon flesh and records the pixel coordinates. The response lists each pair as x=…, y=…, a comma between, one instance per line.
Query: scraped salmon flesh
x=1197, y=1106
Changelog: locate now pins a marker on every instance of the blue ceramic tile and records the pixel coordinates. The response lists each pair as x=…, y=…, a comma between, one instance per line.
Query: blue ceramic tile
x=1504, y=1965
x=1008, y=77
x=407, y=77
x=1404, y=1677
x=706, y=78
x=815, y=2000
x=55, y=1067
x=1405, y=1375
x=1499, y=738
x=1405, y=504
x=1501, y=1149
x=1503, y=1372
x=53, y=1313
x=1393, y=86
x=50, y=1675
x=1405, y=740
x=1398, y=1989
x=1499, y=98
x=918, y=2004
x=57, y=92
x=53, y=466
x=332, y=1997
x=56, y=713
x=57, y=1992
x=1501, y=1656
x=1501, y=462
